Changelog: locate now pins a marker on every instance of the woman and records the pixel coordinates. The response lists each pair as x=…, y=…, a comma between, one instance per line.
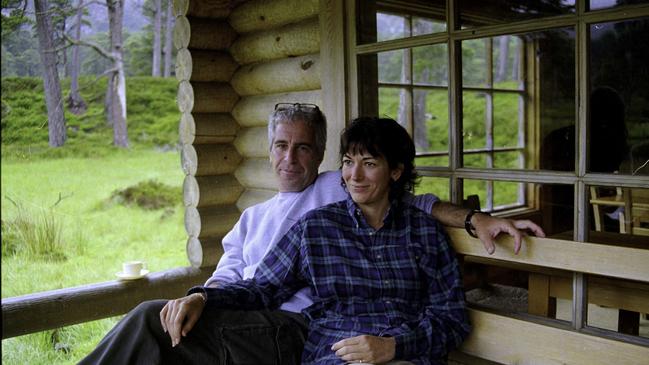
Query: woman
x=384, y=278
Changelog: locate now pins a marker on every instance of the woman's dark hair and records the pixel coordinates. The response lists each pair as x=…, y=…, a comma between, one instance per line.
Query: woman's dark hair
x=383, y=137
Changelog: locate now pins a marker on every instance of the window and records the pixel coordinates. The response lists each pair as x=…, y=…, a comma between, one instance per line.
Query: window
x=527, y=109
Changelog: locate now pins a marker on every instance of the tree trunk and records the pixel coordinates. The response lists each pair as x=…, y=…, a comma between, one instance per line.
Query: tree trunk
x=169, y=25
x=503, y=57
x=117, y=84
x=157, y=24
x=51, y=83
x=75, y=101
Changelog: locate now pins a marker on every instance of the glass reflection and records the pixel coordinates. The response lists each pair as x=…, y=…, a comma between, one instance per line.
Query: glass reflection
x=617, y=213
x=383, y=21
x=474, y=13
x=619, y=115
x=603, y=4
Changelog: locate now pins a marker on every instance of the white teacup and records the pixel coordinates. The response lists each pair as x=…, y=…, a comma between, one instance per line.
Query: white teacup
x=132, y=268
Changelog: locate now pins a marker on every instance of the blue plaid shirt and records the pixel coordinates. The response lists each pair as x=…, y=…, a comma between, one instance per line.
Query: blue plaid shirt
x=401, y=281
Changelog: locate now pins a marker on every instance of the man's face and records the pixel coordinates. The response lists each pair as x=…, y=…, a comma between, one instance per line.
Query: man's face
x=294, y=157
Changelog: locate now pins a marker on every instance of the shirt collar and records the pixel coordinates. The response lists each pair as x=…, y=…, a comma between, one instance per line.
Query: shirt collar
x=357, y=214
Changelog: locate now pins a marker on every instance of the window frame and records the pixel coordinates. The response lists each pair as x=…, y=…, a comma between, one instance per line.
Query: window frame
x=580, y=179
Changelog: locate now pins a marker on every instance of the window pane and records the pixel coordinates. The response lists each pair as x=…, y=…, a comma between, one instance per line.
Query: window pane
x=430, y=65
x=619, y=101
x=387, y=21
x=618, y=305
x=475, y=13
x=431, y=120
x=391, y=66
x=507, y=160
x=508, y=114
x=619, y=215
x=474, y=63
x=390, y=26
x=474, y=118
x=434, y=185
x=506, y=194
x=603, y=4
x=391, y=101
x=507, y=67
x=432, y=161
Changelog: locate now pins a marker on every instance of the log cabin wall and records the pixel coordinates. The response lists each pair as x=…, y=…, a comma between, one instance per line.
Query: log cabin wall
x=235, y=61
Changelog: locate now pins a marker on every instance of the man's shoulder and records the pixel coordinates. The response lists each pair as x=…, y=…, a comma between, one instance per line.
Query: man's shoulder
x=326, y=211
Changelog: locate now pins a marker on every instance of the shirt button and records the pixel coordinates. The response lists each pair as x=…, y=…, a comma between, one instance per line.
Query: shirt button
x=371, y=233
x=379, y=257
x=388, y=302
x=386, y=282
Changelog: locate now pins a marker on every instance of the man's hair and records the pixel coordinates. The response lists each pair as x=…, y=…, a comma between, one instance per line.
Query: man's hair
x=309, y=114
x=383, y=137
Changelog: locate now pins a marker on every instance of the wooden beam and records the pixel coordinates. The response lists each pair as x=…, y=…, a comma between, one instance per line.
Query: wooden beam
x=63, y=307
x=202, y=191
x=278, y=76
x=253, y=111
x=289, y=41
x=209, y=34
x=256, y=173
x=253, y=142
x=213, y=97
x=260, y=15
x=588, y=258
x=513, y=341
x=206, y=128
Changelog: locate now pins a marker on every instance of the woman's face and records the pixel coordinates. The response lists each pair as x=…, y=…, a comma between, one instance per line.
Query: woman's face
x=368, y=178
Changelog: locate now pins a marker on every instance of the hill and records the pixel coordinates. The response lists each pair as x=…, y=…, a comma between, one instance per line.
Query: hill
x=152, y=117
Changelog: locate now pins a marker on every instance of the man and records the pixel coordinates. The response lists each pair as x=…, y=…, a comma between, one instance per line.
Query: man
x=152, y=332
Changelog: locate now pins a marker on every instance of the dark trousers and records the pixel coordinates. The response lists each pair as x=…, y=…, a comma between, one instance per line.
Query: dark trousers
x=219, y=337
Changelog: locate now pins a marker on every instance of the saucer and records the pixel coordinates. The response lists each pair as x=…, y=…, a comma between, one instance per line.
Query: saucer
x=123, y=276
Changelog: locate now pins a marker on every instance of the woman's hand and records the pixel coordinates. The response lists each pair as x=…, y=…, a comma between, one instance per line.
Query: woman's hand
x=366, y=349
x=179, y=316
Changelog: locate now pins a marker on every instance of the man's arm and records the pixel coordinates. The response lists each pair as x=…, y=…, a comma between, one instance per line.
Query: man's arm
x=487, y=227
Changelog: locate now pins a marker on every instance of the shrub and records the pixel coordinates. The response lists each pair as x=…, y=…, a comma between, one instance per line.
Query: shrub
x=149, y=195
x=34, y=235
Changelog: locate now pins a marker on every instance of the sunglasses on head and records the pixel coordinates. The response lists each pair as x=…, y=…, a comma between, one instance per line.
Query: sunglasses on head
x=304, y=107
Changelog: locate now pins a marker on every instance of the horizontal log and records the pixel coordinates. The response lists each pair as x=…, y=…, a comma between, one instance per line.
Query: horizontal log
x=204, y=252
x=216, y=159
x=182, y=32
x=605, y=260
x=209, y=159
x=256, y=173
x=215, y=128
x=180, y=7
x=289, y=41
x=253, y=111
x=284, y=75
x=210, y=34
x=187, y=129
x=213, y=97
x=188, y=159
x=532, y=343
x=212, y=66
x=183, y=65
x=63, y=307
x=210, y=221
x=252, y=142
x=259, y=15
x=251, y=197
x=185, y=98
x=214, y=9
x=201, y=191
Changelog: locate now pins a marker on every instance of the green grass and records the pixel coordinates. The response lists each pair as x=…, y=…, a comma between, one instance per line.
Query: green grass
x=72, y=215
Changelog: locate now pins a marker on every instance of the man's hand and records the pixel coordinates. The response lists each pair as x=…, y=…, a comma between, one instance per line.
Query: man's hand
x=487, y=228
x=179, y=316
x=366, y=349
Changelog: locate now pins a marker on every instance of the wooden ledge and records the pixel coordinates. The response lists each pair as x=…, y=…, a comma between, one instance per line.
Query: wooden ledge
x=57, y=308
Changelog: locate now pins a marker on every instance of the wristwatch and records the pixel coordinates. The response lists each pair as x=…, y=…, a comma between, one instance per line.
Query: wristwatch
x=467, y=222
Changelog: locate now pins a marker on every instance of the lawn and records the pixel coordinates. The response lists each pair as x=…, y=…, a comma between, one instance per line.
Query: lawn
x=96, y=235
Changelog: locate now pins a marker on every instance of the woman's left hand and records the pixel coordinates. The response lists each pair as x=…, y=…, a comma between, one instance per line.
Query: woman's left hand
x=365, y=349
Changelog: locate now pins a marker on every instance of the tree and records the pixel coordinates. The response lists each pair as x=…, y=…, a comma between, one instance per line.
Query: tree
x=117, y=81
x=157, y=27
x=51, y=82
x=168, y=34
x=74, y=100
